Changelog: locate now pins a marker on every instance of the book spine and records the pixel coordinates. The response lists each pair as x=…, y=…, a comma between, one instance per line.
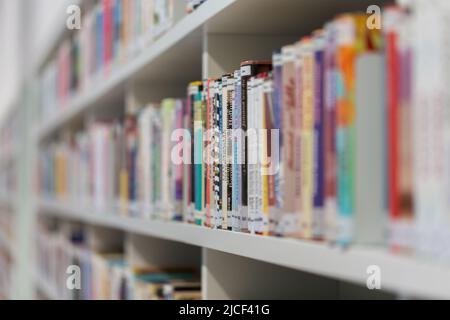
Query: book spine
x=107, y=32
x=210, y=154
x=260, y=181
x=187, y=190
x=319, y=162
x=178, y=166
x=145, y=143
x=157, y=151
x=277, y=151
x=198, y=155
x=229, y=150
x=392, y=61
x=236, y=142
x=167, y=118
x=217, y=153
x=246, y=72
x=268, y=158
x=330, y=136
x=224, y=150
x=289, y=224
x=306, y=107
x=252, y=154
x=406, y=181
x=345, y=131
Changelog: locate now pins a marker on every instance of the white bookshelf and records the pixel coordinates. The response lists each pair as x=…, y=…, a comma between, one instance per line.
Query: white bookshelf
x=408, y=275
x=198, y=46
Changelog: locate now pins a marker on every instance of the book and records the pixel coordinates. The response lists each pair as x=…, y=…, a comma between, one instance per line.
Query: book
x=248, y=69
x=330, y=165
x=318, y=223
x=289, y=224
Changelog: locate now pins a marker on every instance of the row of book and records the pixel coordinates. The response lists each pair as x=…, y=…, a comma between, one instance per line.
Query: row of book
x=337, y=138
x=106, y=167
x=111, y=34
x=105, y=276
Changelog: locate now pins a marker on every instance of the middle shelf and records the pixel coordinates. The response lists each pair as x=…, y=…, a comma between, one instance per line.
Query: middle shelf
x=313, y=257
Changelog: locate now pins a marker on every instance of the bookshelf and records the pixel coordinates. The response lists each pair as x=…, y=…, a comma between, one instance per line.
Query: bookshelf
x=316, y=258
x=202, y=39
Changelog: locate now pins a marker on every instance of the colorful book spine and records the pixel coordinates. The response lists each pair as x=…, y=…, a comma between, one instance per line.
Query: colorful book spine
x=237, y=146
x=209, y=153
x=131, y=136
x=107, y=33
x=305, y=103
x=398, y=75
x=99, y=37
x=167, y=193
x=199, y=185
x=330, y=100
x=277, y=137
x=406, y=181
x=177, y=164
x=248, y=69
x=227, y=96
x=157, y=166
x=188, y=165
x=289, y=224
x=218, y=153
x=269, y=157
x=252, y=156
x=319, y=137
x=345, y=131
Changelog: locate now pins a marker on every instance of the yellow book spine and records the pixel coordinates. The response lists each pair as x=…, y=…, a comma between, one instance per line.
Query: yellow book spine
x=123, y=191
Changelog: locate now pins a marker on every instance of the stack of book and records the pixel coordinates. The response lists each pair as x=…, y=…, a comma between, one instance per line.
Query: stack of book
x=112, y=33
x=337, y=138
x=104, y=276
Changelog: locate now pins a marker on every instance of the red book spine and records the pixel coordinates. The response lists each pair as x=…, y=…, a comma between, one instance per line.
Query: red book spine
x=208, y=147
x=392, y=112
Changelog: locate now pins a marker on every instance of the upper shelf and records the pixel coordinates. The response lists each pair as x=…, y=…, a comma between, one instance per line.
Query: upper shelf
x=56, y=33
x=176, y=57
x=407, y=275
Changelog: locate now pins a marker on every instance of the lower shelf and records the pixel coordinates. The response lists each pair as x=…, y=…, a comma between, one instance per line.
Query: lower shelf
x=409, y=276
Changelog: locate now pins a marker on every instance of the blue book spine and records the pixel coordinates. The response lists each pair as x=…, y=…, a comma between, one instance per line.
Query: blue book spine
x=99, y=39
x=319, y=136
x=277, y=121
